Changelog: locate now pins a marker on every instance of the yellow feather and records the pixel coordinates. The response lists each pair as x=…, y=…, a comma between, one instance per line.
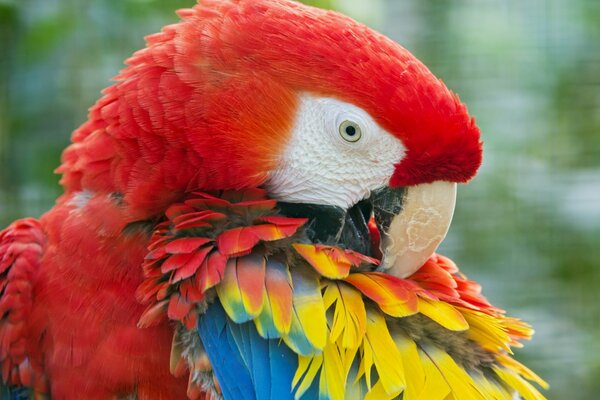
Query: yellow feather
x=332, y=384
x=444, y=314
x=462, y=385
x=306, y=373
x=303, y=364
x=275, y=318
x=349, y=316
x=525, y=389
x=230, y=295
x=522, y=370
x=492, y=390
x=414, y=373
x=355, y=390
x=398, y=310
x=523, y=329
x=436, y=387
x=330, y=296
x=366, y=364
x=265, y=319
x=393, y=299
x=348, y=356
x=355, y=387
x=384, y=353
x=379, y=393
x=308, y=331
x=486, y=330
x=322, y=262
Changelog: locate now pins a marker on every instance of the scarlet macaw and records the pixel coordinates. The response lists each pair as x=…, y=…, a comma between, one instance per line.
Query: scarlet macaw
x=251, y=212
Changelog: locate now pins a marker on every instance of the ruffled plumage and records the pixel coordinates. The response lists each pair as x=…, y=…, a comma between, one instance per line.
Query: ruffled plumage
x=356, y=332
x=21, y=248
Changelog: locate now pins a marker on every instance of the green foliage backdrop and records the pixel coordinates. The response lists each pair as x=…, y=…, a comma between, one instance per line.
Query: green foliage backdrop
x=528, y=227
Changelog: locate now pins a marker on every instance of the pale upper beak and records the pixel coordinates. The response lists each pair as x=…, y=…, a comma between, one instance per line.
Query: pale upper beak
x=412, y=221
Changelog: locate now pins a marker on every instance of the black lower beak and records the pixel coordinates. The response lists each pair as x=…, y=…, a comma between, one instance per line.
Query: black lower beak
x=348, y=228
x=412, y=221
x=331, y=225
x=387, y=203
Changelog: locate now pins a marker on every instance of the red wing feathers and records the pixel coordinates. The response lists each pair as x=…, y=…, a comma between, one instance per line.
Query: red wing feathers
x=21, y=249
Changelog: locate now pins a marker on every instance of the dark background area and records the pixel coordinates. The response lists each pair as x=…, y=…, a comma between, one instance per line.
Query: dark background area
x=527, y=228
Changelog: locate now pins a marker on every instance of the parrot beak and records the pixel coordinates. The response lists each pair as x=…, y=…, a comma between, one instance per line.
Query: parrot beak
x=412, y=221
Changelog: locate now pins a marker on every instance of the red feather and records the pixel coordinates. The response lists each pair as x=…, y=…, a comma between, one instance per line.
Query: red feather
x=167, y=125
x=190, y=268
x=186, y=245
x=212, y=270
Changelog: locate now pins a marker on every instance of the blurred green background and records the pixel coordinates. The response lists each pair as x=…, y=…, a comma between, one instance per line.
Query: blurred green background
x=527, y=228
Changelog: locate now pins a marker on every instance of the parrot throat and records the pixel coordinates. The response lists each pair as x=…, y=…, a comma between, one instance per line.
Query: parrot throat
x=348, y=228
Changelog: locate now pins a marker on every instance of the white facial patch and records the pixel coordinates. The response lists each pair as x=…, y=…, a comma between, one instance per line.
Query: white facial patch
x=337, y=155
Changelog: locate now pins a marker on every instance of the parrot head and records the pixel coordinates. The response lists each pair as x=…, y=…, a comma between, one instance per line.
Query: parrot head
x=352, y=116
x=316, y=108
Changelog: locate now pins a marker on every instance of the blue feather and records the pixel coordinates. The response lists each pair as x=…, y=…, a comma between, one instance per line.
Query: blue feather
x=247, y=366
x=15, y=393
x=219, y=344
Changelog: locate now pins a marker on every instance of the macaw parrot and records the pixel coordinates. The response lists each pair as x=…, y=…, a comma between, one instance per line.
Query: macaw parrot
x=252, y=212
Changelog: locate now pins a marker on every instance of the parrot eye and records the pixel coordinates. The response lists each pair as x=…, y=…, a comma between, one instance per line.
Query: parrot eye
x=350, y=131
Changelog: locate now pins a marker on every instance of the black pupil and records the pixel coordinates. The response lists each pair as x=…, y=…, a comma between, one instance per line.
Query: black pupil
x=350, y=130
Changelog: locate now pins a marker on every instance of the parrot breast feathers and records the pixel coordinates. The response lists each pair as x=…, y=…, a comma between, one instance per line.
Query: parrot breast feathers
x=351, y=329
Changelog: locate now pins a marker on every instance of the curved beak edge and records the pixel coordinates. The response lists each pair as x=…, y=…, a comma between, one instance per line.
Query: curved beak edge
x=413, y=233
